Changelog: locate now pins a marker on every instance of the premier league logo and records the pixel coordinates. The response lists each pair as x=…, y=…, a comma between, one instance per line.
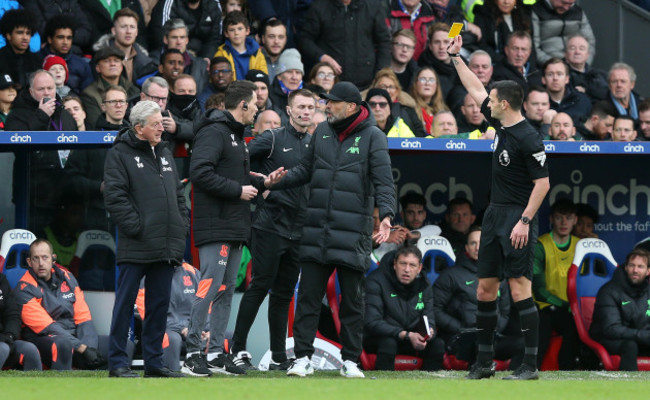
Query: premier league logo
x=504, y=158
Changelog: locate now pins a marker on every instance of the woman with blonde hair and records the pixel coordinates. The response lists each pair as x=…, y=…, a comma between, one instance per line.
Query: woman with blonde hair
x=427, y=94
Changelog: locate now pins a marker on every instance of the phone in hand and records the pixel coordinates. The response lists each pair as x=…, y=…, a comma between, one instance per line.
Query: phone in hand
x=46, y=99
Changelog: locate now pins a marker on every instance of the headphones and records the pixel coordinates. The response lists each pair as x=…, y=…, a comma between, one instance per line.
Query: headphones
x=244, y=106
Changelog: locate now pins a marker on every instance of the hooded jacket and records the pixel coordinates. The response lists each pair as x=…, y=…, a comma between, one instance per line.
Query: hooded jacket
x=392, y=307
x=347, y=179
x=219, y=167
x=144, y=196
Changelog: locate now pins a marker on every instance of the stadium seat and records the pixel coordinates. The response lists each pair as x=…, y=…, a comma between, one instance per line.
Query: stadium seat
x=592, y=267
x=14, y=250
x=94, y=261
x=437, y=254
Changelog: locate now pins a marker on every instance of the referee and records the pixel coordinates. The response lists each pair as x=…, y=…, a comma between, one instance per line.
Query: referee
x=519, y=184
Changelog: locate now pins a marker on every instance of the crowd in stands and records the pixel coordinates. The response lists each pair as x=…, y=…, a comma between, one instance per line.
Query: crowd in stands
x=83, y=65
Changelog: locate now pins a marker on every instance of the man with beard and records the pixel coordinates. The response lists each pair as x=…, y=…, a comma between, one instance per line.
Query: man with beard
x=171, y=65
x=221, y=74
x=562, y=128
x=274, y=41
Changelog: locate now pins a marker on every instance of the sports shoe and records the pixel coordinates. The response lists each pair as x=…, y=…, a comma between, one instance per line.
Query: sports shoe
x=281, y=366
x=301, y=367
x=350, y=369
x=243, y=361
x=482, y=370
x=524, y=372
x=196, y=365
x=223, y=364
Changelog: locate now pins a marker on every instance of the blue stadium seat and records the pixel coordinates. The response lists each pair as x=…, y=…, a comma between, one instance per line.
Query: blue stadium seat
x=94, y=261
x=14, y=250
x=437, y=254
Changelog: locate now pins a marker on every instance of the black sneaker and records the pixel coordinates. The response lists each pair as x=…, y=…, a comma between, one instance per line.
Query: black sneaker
x=482, y=370
x=525, y=372
x=196, y=365
x=281, y=366
x=243, y=360
x=223, y=364
x=163, y=372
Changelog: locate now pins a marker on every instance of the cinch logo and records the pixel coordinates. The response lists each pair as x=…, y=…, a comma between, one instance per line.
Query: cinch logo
x=166, y=169
x=67, y=139
x=455, y=145
x=108, y=138
x=22, y=235
x=407, y=144
x=593, y=244
x=101, y=236
x=223, y=262
x=189, y=291
x=436, y=241
x=631, y=148
x=589, y=148
x=16, y=138
x=549, y=147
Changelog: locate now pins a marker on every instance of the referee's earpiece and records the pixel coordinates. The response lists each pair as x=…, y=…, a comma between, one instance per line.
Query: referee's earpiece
x=244, y=106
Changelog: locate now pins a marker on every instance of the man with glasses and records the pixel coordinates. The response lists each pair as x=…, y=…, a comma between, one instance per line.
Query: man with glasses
x=114, y=106
x=401, y=57
x=221, y=75
x=414, y=15
x=379, y=102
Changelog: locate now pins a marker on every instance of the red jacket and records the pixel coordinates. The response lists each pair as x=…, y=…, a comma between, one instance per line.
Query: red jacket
x=398, y=19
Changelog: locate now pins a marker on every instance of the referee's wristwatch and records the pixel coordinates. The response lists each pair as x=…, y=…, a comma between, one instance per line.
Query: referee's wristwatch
x=525, y=220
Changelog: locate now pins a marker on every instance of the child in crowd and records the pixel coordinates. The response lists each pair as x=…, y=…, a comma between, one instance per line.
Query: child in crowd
x=8, y=92
x=243, y=52
x=59, y=69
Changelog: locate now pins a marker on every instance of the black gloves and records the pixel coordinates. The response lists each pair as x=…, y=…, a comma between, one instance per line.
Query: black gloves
x=89, y=359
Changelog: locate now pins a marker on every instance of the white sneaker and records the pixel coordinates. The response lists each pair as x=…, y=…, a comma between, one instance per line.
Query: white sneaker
x=301, y=367
x=351, y=370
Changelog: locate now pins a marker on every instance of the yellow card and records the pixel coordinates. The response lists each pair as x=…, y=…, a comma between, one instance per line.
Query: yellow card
x=455, y=29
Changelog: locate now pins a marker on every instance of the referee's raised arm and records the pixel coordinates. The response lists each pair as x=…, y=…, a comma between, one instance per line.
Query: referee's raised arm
x=470, y=81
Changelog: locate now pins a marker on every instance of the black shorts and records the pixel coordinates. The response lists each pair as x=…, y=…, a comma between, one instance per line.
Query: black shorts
x=497, y=258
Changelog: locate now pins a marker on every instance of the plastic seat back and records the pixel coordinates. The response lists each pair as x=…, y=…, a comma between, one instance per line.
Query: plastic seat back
x=94, y=261
x=14, y=250
x=437, y=254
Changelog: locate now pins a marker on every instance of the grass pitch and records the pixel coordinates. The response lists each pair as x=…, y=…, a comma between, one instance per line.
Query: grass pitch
x=328, y=385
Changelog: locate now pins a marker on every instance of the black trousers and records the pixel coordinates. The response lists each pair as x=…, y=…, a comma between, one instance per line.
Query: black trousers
x=275, y=268
x=313, y=282
x=629, y=350
x=387, y=347
x=559, y=320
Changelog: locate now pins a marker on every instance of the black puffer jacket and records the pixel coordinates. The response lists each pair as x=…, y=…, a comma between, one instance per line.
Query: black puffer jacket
x=44, y=10
x=145, y=198
x=283, y=212
x=621, y=310
x=346, y=181
x=455, y=303
x=9, y=311
x=219, y=167
x=392, y=307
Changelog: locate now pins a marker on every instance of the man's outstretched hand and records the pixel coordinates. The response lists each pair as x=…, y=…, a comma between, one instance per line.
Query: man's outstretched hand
x=384, y=231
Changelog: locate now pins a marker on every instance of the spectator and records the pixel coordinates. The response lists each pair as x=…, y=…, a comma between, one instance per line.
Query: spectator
x=14, y=353
x=480, y=63
x=414, y=216
x=620, y=321
x=8, y=92
x=517, y=65
x=471, y=119
x=108, y=65
x=171, y=65
x=428, y=96
x=58, y=68
x=221, y=74
x=184, y=108
x=276, y=234
x=267, y=119
x=498, y=19
x=622, y=79
x=587, y=217
x=444, y=125
x=35, y=42
x=357, y=48
x=288, y=78
x=274, y=41
x=16, y=60
x=536, y=107
x=564, y=98
x=600, y=123
x=584, y=78
x=562, y=128
x=59, y=32
x=55, y=315
x=261, y=81
x=73, y=105
x=554, y=254
x=203, y=20
x=176, y=37
x=414, y=15
x=554, y=21
x=323, y=75
x=644, y=120
x=455, y=307
x=458, y=221
x=145, y=200
x=398, y=297
x=379, y=102
x=242, y=51
x=401, y=57
x=436, y=56
x=290, y=14
x=216, y=101
x=223, y=188
x=624, y=129
x=114, y=106
x=100, y=17
x=124, y=33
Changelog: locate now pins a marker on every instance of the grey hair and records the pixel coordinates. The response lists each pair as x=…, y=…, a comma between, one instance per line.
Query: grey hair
x=36, y=73
x=479, y=53
x=175, y=23
x=154, y=79
x=141, y=112
x=622, y=65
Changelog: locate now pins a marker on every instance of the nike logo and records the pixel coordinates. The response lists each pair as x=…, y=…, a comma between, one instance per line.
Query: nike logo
x=285, y=149
x=626, y=302
x=469, y=282
x=326, y=136
x=393, y=295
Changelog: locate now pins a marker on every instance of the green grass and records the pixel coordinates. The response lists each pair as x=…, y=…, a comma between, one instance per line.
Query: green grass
x=325, y=385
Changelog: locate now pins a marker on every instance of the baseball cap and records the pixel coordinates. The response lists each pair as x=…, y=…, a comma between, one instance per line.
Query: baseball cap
x=7, y=82
x=106, y=52
x=255, y=75
x=343, y=91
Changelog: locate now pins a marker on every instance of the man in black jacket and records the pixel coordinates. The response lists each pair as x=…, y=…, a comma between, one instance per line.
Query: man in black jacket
x=16, y=60
x=145, y=198
x=223, y=189
x=348, y=170
x=518, y=65
x=621, y=320
x=276, y=233
x=397, y=299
